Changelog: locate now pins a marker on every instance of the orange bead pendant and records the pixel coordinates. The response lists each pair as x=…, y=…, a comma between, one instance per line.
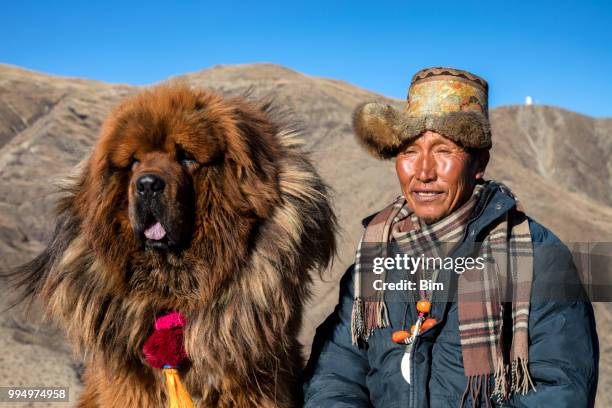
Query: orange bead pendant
x=399, y=336
x=423, y=306
x=428, y=323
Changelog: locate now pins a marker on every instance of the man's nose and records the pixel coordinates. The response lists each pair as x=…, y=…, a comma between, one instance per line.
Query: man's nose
x=149, y=184
x=426, y=169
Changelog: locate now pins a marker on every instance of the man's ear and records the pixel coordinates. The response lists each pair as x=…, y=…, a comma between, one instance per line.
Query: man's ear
x=482, y=159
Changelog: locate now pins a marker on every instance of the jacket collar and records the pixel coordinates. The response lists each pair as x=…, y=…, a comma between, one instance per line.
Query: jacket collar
x=495, y=201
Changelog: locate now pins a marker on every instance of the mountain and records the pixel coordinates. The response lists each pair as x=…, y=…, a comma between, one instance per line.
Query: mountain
x=556, y=161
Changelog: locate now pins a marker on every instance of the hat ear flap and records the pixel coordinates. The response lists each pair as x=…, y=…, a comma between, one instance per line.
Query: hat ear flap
x=378, y=127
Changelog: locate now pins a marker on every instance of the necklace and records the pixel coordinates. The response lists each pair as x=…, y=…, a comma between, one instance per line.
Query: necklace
x=423, y=323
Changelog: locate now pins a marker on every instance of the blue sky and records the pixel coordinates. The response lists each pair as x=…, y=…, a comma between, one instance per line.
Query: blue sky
x=559, y=52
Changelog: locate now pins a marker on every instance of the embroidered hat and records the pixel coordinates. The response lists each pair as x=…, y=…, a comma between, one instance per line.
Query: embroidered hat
x=448, y=101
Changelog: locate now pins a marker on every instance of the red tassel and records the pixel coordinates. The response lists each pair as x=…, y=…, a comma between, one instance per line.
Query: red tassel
x=165, y=347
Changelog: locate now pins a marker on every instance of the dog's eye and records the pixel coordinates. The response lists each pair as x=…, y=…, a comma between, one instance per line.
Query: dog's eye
x=188, y=162
x=185, y=158
x=134, y=164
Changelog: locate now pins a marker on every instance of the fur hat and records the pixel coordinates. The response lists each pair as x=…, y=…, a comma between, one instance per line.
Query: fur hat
x=449, y=101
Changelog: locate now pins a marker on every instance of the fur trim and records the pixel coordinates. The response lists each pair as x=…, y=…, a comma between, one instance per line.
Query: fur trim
x=378, y=128
x=383, y=130
x=469, y=129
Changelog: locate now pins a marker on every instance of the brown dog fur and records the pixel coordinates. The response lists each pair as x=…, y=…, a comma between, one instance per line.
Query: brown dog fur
x=251, y=222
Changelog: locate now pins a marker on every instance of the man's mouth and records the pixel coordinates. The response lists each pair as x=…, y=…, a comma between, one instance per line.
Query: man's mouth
x=426, y=195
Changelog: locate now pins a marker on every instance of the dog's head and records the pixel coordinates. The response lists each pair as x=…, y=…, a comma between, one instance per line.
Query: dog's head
x=179, y=179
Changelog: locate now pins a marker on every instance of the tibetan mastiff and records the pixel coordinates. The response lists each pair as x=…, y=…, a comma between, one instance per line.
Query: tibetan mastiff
x=190, y=203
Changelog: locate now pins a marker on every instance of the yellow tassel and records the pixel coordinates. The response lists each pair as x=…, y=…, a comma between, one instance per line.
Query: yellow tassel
x=178, y=396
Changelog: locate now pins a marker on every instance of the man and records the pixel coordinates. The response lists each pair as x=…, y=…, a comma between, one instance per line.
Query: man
x=507, y=324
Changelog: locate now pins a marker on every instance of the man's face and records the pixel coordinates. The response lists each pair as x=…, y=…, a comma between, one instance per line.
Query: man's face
x=437, y=175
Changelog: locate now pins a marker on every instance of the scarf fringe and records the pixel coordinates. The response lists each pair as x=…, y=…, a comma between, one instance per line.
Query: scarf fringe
x=512, y=379
x=500, y=389
x=474, y=389
x=367, y=316
x=357, y=329
x=519, y=383
x=521, y=380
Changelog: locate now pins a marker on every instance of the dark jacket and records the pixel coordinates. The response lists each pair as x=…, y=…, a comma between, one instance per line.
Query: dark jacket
x=563, y=347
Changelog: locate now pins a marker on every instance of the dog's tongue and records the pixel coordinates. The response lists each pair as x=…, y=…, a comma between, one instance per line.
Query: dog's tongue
x=155, y=232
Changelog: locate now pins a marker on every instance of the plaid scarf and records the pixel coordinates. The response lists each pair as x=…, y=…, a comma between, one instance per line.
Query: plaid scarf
x=485, y=295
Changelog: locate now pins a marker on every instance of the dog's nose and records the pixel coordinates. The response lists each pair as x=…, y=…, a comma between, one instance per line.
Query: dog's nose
x=150, y=184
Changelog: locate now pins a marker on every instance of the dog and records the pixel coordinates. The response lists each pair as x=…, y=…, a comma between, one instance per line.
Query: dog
x=198, y=204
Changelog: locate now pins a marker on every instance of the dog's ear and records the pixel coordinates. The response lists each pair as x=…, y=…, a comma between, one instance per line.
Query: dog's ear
x=255, y=152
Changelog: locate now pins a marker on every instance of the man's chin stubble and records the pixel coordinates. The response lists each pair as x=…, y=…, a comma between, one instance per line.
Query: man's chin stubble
x=431, y=220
